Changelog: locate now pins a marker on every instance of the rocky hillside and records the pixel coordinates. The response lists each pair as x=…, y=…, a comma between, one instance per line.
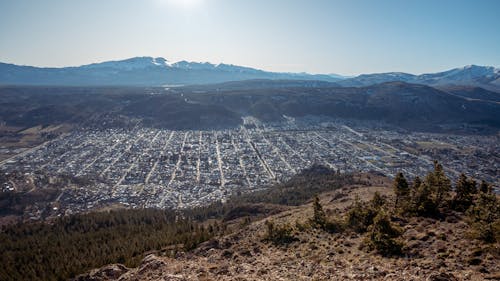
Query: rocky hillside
x=434, y=247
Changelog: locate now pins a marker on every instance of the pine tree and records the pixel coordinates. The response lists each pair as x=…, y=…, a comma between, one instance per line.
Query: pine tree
x=439, y=184
x=422, y=203
x=485, y=187
x=413, y=190
x=401, y=189
x=383, y=236
x=360, y=215
x=465, y=190
x=484, y=218
x=319, y=216
x=377, y=201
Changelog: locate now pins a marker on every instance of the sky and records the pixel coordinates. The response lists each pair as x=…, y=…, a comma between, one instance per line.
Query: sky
x=346, y=37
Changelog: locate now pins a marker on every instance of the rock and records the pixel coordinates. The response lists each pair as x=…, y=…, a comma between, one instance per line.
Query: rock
x=442, y=277
x=440, y=246
x=109, y=272
x=411, y=234
x=172, y=277
x=227, y=254
x=246, y=253
x=206, y=247
x=151, y=262
x=222, y=270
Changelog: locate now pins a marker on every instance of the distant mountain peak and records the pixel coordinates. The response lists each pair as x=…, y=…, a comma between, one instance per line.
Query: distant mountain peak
x=157, y=71
x=130, y=63
x=482, y=70
x=160, y=61
x=142, y=71
x=473, y=75
x=475, y=66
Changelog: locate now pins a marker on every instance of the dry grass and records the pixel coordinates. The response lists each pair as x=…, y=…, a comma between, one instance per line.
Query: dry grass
x=433, y=247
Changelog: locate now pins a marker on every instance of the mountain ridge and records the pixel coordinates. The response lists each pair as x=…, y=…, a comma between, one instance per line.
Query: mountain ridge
x=487, y=77
x=410, y=106
x=143, y=71
x=158, y=71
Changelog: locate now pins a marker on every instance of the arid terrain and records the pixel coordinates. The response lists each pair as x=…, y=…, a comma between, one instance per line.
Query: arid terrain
x=434, y=249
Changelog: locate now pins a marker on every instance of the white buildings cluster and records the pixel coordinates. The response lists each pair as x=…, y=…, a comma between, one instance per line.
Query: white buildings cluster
x=161, y=168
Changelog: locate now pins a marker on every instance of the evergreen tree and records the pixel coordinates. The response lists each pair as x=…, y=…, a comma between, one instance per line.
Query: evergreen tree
x=413, y=190
x=401, y=189
x=439, y=184
x=465, y=190
x=485, y=187
x=319, y=216
x=422, y=203
x=484, y=218
x=278, y=235
x=383, y=236
x=360, y=215
x=377, y=201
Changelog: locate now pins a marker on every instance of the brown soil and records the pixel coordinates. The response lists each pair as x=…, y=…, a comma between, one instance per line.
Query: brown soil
x=435, y=250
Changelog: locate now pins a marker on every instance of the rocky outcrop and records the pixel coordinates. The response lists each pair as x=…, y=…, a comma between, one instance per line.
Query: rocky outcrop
x=436, y=250
x=109, y=272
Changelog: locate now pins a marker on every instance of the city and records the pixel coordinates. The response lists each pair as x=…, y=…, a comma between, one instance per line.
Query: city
x=146, y=167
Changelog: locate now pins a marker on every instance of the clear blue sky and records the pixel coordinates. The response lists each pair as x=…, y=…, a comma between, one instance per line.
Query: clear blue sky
x=346, y=37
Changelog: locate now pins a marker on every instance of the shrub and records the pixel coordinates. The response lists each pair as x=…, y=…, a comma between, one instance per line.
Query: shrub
x=427, y=197
x=383, y=236
x=484, y=218
x=421, y=202
x=278, y=235
x=465, y=190
x=301, y=226
x=320, y=221
x=334, y=226
x=360, y=216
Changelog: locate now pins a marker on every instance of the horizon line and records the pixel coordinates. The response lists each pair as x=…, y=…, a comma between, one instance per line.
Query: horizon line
x=252, y=67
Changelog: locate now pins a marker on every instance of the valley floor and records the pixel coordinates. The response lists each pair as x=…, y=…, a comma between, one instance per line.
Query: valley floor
x=144, y=167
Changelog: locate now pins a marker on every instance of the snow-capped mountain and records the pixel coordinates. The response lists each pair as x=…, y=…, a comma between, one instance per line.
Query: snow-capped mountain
x=469, y=73
x=130, y=64
x=473, y=75
x=377, y=78
x=143, y=71
x=150, y=71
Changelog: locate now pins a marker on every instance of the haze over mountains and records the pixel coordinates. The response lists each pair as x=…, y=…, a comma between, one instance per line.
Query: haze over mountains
x=142, y=71
x=149, y=71
x=214, y=96
x=485, y=76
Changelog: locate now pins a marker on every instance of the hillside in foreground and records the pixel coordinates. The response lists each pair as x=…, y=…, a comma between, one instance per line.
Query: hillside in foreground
x=306, y=243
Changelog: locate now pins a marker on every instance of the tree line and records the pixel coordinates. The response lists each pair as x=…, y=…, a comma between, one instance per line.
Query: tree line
x=434, y=196
x=74, y=244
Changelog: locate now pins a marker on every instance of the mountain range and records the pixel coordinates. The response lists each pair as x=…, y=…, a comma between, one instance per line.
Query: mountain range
x=143, y=71
x=472, y=75
x=149, y=71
